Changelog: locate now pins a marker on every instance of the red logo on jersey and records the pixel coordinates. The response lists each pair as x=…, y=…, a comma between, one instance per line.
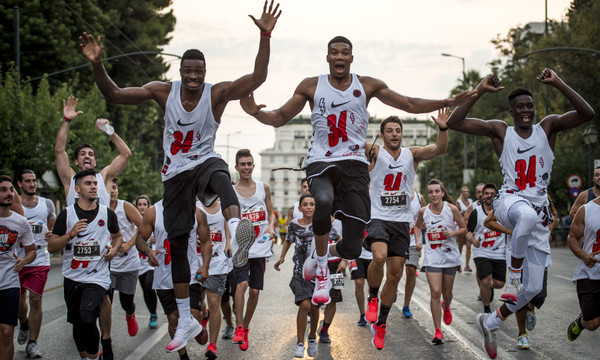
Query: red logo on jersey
x=356, y=93
x=100, y=222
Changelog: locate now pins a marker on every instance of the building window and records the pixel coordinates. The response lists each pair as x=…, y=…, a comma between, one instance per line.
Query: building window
x=272, y=178
x=299, y=135
x=285, y=159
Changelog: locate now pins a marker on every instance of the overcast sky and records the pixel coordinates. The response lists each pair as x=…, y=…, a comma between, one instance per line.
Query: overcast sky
x=397, y=41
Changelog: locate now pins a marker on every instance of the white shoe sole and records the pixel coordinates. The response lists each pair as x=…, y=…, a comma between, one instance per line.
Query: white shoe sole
x=244, y=236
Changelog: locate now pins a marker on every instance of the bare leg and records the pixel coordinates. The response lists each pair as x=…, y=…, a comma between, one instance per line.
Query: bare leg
x=435, y=288
x=251, y=306
x=411, y=279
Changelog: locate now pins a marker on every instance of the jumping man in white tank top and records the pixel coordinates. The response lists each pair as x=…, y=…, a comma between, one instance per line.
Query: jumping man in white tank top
x=526, y=154
x=392, y=172
x=191, y=168
x=336, y=163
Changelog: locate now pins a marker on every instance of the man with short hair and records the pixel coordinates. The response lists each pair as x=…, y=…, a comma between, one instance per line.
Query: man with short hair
x=192, y=168
x=41, y=215
x=15, y=231
x=89, y=235
x=588, y=195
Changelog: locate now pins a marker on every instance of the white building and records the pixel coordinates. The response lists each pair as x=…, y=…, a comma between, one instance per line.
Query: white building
x=292, y=142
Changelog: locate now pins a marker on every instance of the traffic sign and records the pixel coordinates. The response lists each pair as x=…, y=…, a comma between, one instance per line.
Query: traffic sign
x=574, y=181
x=574, y=192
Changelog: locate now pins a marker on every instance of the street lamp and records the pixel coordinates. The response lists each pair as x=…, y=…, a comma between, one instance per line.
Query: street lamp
x=590, y=138
x=227, y=136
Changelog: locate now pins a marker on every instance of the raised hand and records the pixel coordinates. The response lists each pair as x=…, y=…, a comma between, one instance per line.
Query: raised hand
x=489, y=84
x=269, y=17
x=548, y=76
x=249, y=105
x=91, y=48
x=69, y=108
x=442, y=117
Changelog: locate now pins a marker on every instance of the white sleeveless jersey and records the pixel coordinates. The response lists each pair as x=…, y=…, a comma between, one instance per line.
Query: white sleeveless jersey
x=129, y=261
x=415, y=206
x=83, y=257
x=255, y=209
x=440, y=251
x=189, y=137
x=462, y=206
x=391, y=186
x=527, y=164
x=590, y=242
x=103, y=195
x=162, y=273
x=339, y=121
x=38, y=220
x=219, y=262
x=297, y=213
x=492, y=243
x=14, y=232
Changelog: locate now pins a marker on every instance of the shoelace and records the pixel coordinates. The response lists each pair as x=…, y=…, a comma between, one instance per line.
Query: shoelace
x=321, y=282
x=380, y=332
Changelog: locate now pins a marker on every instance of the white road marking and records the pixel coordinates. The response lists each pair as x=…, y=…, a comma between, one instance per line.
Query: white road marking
x=141, y=351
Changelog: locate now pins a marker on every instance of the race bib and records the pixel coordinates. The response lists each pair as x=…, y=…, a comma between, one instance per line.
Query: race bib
x=435, y=237
x=86, y=251
x=257, y=215
x=393, y=200
x=490, y=238
x=337, y=281
x=36, y=227
x=216, y=235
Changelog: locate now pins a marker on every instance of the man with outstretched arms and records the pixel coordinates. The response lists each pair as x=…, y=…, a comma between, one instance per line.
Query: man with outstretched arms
x=526, y=154
x=588, y=195
x=192, y=168
x=41, y=215
x=125, y=266
x=255, y=203
x=153, y=223
x=392, y=172
x=90, y=236
x=336, y=166
x=15, y=231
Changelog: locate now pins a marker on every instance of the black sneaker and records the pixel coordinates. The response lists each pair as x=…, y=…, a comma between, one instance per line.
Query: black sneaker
x=575, y=328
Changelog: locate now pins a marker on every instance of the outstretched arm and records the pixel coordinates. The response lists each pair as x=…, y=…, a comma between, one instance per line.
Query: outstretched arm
x=117, y=166
x=64, y=170
x=421, y=153
x=583, y=111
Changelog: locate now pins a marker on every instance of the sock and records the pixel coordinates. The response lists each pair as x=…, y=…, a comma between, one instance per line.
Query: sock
x=322, y=260
x=183, y=306
x=325, y=326
x=25, y=325
x=30, y=342
x=494, y=320
x=373, y=292
x=384, y=310
x=514, y=273
x=232, y=226
x=486, y=309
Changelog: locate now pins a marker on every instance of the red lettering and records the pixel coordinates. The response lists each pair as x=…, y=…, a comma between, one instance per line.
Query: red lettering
x=338, y=129
x=182, y=145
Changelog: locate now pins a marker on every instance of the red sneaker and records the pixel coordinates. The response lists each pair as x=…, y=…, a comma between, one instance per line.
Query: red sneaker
x=211, y=351
x=132, y=325
x=438, y=338
x=238, y=336
x=244, y=344
x=378, y=340
x=447, y=315
x=372, y=309
x=202, y=338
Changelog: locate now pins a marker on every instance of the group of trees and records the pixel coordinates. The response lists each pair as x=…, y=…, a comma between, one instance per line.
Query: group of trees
x=522, y=59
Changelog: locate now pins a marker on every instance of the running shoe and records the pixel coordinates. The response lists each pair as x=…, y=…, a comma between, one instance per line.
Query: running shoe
x=132, y=325
x=211, y=351
x=523, y=342
x=311, y=350
x=378, y=332
x=153, y=324
x=447, y=315
x=468, y=269
x=183, y=333
x=228, y=332
x=322, y=287
x=32, y=352
x=438, y=338
x=238, y=336
x=406, y=312
x=416, y=272
x=244, y=235
x=372, y=309
x=23, y=336
x=530, y=319
x=511, y=291
x=362, y=321
x=299, y=352
x=478, y=297
x=202, y=338
x=309, y=270
x=245, y=343
x=488, y=337
x=575, y=328
x=324, y=337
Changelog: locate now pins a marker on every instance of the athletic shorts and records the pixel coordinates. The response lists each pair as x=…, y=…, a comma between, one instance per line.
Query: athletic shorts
x=34, y=279
x=486, y=267
x=413, y=257
x=253, y=272
x=361, y=269
x=180, y=192
x=124, y=282
x=334, y=294
x=540, y=298
x=588, y=292
x=350, y=180
x=82, y=297
x=302, y=289
x=9, y=311
x=216, y=283
x=230, y=286
x=395, y=234
x=446, y=271
x=169, y=303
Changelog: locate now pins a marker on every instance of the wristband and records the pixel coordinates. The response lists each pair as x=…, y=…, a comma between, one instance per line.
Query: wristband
x=443, y=128
x=265, y=35
x=66, y=119
x=71, y=235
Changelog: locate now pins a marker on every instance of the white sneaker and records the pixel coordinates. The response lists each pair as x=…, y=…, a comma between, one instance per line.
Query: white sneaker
x=312, y=347
x=31, y=351
x=309, y=270
x=244, y=235
x=523, y=342
x=488, y=337
x=299, y=352
x=23, y=336
x=322, y=286
x=183, y=334
x=512, y=289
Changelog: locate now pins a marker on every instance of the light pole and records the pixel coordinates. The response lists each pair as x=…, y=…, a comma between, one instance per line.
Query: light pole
x=227, y=136
x=590, y=137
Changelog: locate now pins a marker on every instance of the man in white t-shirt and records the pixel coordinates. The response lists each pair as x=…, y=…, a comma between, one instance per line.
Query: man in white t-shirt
x=14, y=231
